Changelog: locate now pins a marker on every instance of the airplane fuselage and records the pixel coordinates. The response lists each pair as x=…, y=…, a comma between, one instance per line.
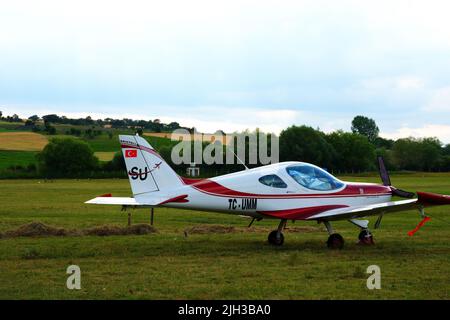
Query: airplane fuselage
x=242, y=193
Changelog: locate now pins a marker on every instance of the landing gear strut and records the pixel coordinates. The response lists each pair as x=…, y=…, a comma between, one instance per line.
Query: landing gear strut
x=276, y=237
x=335, y=240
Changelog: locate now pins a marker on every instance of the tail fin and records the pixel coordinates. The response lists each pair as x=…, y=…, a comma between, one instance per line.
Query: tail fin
x=147, y=170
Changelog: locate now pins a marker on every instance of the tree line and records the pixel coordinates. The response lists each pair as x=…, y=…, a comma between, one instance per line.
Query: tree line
x=356, y=151
x=338, y=152
x=33, y=122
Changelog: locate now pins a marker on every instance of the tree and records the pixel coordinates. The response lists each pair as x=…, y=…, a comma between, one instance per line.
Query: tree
x=52, y=118
x=353, y=151
x=431, y=152
x=302, y=143
x=34, y=118
x=446, y=150
x=67, y=157
x=48, y=127
x=380, y=142
x=417, y=154
x=366, y=127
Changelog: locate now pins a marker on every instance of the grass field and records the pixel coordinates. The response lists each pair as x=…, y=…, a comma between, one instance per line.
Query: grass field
x=21, y=158
x=238, y=265
x=104, y=155
x=22, y=141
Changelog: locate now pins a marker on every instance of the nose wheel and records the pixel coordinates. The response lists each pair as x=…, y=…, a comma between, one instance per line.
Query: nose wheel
x=365, y=237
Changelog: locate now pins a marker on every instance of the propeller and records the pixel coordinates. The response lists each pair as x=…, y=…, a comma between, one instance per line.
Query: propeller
x=384, y=175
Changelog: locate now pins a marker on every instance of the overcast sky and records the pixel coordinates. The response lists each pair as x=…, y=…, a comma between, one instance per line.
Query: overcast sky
x=231, y=65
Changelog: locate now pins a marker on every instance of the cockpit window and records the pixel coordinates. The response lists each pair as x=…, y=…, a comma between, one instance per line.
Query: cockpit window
x=313, y=178
x=272, y=180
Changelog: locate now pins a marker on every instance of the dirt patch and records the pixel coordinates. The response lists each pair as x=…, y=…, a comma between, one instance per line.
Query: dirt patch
x=205, y=229
x=303, y=229
x=39, y=229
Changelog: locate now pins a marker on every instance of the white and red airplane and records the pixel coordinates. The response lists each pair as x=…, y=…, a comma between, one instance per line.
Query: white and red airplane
x=284, y=191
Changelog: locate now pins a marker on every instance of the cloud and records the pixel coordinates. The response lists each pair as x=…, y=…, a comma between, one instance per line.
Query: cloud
x=318, y=63
x=403, y=82
x=440, y=101
x=427, y=130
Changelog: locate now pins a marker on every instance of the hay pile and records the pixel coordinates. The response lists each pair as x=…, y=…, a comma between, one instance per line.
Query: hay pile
x=106, y=230
x=38, y=229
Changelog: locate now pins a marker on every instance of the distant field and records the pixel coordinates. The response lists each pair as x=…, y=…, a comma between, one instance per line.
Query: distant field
x=104, y=144
x=17, y=158
x=207, y=137
x=165, y=135
x=22, y=141
x=104, y=156
x=236, y=265
x=8, y=126
x=26, y=144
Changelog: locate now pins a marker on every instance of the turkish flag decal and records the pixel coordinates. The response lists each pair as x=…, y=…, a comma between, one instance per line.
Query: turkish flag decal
x=130, y=153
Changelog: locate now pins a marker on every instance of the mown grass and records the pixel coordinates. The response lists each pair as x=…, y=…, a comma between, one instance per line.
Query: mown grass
x=238, y=265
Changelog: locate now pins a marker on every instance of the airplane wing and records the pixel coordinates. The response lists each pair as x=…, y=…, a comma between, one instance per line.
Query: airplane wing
x=364, y=211
x=424, y=199
x=144, y=200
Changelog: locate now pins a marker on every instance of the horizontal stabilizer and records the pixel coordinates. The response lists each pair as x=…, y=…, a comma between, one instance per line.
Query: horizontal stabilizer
x=142, y=200
x=123, y=201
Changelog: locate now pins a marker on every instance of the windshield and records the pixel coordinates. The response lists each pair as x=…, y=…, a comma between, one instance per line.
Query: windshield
x=313, y=178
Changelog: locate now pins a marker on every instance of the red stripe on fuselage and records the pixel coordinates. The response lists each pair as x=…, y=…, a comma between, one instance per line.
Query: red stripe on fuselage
x=181, y=198
x=300, y=213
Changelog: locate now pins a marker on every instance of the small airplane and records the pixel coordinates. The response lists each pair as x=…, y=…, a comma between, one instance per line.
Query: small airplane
x=284, y=191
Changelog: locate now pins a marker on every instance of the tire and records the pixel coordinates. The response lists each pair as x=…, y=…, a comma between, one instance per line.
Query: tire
x=365, y=237
x=335, y=241
x=274, y=240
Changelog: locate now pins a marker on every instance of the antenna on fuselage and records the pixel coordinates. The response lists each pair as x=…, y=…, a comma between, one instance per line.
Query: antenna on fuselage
x=242, y=162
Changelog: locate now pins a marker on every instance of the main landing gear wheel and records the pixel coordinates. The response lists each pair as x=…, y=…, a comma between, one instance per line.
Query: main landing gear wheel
x=335, y=241
x=365, y=237
x=275, y=239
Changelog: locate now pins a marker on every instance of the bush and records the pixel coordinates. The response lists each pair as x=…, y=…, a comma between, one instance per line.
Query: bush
x=67, y=157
